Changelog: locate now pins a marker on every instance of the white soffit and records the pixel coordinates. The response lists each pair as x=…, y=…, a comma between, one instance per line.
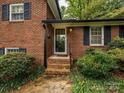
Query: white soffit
x=53, y=7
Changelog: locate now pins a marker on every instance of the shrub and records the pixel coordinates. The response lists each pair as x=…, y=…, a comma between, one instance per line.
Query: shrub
x=16, y=66
x=90, y=51
x=118, y=55
x=117, y=43
x=96, y=65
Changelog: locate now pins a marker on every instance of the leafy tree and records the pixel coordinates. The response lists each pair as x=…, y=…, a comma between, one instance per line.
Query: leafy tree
x=63, y=9
x=94, y=9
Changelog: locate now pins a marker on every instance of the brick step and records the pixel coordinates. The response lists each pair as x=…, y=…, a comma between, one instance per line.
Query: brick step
x=62, y=61
x=57, y=72
x=59, y=66
x=59, y=60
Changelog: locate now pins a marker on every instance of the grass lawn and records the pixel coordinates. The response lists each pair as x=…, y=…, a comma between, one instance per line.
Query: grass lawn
x=82, y=84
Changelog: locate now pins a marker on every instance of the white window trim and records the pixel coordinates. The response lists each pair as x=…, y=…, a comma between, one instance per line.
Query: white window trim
x=102, y=37
x=9, y=48
x=10, y=14
x=60, y=53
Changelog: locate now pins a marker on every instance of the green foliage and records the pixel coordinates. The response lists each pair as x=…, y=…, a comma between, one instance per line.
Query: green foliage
x=16, y=65
x=92, y=51
x=18, y=82
x=117, y=43
x=97, y=65
x=117, y=13
x=63, y=9
x=17, y=69
x=116, y=50
x=118, y=55
x=94, y=9
x=83, y=84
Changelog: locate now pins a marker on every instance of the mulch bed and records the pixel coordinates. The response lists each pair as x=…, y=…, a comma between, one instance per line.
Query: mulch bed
x=119, y=74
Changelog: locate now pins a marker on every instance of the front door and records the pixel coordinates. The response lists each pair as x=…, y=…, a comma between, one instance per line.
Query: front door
x=60, y=41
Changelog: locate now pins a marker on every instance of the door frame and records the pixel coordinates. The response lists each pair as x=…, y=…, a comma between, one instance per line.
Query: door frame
x=60, y=53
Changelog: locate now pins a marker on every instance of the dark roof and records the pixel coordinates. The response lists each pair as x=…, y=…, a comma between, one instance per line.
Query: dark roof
x=57, y=3
x=78, y=21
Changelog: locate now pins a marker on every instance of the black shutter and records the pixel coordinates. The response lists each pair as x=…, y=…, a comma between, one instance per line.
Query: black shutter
x=86, y=35
x=27, y=11
x=5, y=12
x=2, y=51
x=23, y=50
x=107, y=35
x=121, y=31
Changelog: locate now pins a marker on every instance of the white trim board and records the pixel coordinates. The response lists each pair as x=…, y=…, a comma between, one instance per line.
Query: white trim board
x=101, y=37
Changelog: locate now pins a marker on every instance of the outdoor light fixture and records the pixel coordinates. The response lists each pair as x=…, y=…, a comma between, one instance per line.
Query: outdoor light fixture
x=70, y=30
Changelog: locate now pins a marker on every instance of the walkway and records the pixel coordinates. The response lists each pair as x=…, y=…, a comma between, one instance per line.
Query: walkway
x=47, y=85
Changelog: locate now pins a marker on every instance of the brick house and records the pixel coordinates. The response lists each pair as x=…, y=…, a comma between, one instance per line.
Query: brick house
x=69, y=39
x=36, y=27
x=21, y=29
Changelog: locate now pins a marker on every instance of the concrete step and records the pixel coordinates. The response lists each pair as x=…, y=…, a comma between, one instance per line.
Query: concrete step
x=58, y=61
x=59, y=66
x=51, y=71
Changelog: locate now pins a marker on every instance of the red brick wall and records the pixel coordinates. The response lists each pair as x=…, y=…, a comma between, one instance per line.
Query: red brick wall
x=28, y=34
x=49, y=13
x=50, y=41
x=115, y=31
x=75, y=40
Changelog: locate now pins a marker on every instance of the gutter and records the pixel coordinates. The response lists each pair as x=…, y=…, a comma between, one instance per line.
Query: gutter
x=57, y=4
x=45, y=45
x=49, y=21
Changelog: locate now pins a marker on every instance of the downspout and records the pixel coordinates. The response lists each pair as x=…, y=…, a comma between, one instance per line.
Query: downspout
x=45, y=45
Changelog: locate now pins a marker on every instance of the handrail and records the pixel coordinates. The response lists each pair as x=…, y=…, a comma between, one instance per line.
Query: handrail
x=70, y=55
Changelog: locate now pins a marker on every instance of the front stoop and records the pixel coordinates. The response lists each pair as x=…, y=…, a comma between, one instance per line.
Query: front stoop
x=58, y=65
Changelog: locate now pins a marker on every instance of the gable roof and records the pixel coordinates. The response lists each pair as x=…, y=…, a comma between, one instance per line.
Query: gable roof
x=54, y=6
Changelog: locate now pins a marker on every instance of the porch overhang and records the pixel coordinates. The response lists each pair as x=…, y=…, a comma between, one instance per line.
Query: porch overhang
x=76, y=23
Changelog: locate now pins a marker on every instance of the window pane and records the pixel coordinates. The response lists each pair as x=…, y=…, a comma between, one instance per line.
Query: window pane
x=94, y=32
x=17, y=9
x=99, y=32
x=17, y=16
x=96, y=35
x=60, y=32
x=60, y=40
x=96, y=40
x=17, y=12
x=99, y=40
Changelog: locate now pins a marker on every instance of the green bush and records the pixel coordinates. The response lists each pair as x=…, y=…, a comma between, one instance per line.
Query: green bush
x=90, y=51
x=117, y=43
x=16, y=66
x=96, y=65
x=118, y=55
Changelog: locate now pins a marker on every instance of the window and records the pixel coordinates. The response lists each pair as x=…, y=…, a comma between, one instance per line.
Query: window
x=96, y=36
x=16, y=12
x=15, y=50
